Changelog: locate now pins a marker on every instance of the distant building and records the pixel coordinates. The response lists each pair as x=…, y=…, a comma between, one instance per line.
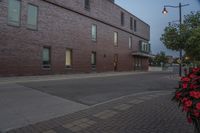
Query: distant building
x=70, y=36
x=170, y=59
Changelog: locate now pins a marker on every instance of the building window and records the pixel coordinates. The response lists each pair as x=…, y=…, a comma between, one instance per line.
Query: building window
x=130, y=43
x=94, y=32
x=93, y=59
x=87, y=4
x=115, y=38
x=68, y=58
x=122, y=19
x=32, y=16
x=145, y=47
x=131, y=23
x=135, y=25
x=46, y=57
x=14, y=7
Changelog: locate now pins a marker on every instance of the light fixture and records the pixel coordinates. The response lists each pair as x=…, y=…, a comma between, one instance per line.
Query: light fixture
x=164, y=11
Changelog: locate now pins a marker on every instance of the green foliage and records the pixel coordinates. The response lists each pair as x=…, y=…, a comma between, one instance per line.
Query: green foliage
x=192, y=20
x=160, y=58
x=185, y=36
x=171, y=38
x=193, y=44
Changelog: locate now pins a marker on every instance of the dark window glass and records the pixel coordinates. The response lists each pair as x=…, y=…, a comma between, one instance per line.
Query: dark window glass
x=122, y=18
x=46, y=59
x=135, y=25
x=93, y=59
x=87, y=4
x=14, y=12
x=131, y=23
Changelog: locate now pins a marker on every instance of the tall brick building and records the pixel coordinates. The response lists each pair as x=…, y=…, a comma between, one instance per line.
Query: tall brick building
x=70, y=36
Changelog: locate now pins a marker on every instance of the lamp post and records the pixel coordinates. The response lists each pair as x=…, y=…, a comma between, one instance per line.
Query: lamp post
x=180, y=21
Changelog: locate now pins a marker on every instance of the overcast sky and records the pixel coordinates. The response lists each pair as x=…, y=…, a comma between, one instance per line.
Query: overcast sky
x=150, y=11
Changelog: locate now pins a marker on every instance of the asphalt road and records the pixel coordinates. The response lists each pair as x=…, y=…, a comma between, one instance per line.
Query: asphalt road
x=90, y=91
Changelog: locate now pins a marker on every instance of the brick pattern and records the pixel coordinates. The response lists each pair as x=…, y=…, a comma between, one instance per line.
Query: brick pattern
x=154, y=115
x=49, y=131
x=122, y=107
x=21, y=48
x=105, y=114
x=79, y=125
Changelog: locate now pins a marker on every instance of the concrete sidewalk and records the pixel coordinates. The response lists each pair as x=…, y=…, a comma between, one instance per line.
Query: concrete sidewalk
x=6, y=80
x=149, y=112
x=21, y=106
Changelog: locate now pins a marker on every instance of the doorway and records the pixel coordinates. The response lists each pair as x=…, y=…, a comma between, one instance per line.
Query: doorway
x=137, y=63
x=115, y=62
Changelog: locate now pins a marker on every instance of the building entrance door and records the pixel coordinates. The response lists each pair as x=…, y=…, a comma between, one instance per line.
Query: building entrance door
x=115, y=62
x=137, y=63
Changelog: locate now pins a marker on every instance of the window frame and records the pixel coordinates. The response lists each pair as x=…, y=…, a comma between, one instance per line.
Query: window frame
x=135, y=25
x=131, y=23
x=19, y=22
x=46, y=66
x=87, y=5
x=27, y=25
x=71, y=59
x=122, y=18
x=95, y=59
x=115, y=43
x=94, y=39
x=130, y=42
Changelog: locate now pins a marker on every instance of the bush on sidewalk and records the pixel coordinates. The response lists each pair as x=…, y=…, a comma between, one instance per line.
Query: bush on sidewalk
x=187, y=95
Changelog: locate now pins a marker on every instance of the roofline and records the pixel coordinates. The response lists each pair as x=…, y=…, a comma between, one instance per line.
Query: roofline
x=130, y=13
x=77, y=12
x=137, y=53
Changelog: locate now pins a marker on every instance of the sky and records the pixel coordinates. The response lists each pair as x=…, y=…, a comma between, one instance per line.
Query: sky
x=151, y=13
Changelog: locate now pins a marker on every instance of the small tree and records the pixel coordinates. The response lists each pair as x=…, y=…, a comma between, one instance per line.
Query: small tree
x=185, y=36
x=160, y=58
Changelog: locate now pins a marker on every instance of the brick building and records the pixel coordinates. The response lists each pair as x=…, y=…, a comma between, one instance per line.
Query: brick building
x=70, y=36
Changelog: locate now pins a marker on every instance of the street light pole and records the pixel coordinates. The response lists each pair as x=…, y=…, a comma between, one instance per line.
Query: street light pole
x=180, y=21
x=181, y=56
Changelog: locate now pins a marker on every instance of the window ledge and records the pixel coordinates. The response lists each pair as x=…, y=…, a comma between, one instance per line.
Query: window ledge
x=46, y=67
x=68, y=67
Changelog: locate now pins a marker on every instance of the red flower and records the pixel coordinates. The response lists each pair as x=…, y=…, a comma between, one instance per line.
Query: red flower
x=189, y=119
x=196, y=79
x=194, y=86
x=195, y=70
x=192, y=76
x=185, y=85
x=184, y=100
x=186, y=109
x=198, y=106
x=178, y=94
x=185, y=79
x=192, y=93
x=188, y=103
x=196, y=113
x=195, y=94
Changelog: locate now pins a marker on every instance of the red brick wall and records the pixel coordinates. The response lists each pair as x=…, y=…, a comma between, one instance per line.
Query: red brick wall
x=21, y=48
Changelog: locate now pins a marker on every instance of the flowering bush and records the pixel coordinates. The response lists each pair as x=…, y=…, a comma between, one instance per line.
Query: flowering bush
x=188, y=95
